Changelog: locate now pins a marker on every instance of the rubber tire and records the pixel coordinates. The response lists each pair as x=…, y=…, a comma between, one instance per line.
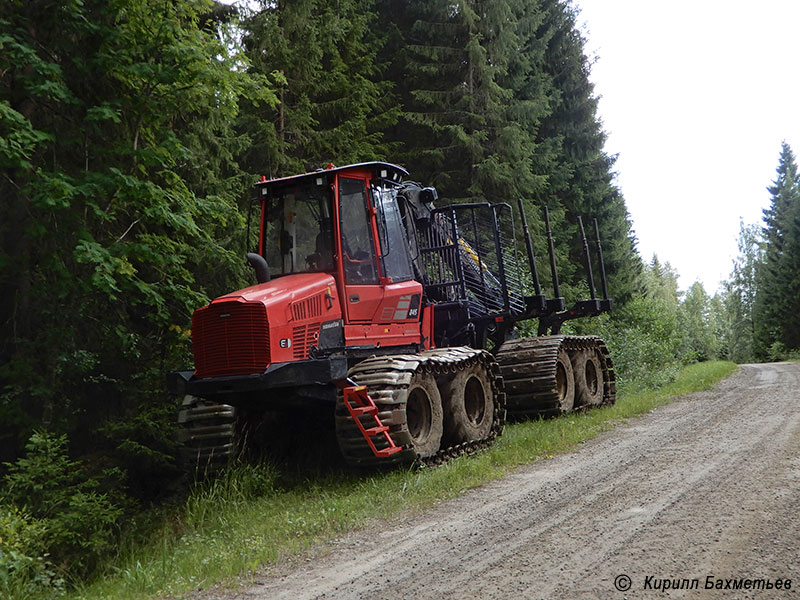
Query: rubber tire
x=469, y=405
x=423, y=415
x=588, y=378
x=565, y=382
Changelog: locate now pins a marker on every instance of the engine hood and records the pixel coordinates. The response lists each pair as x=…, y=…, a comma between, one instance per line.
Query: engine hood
x=297, y=297
x=278, y=321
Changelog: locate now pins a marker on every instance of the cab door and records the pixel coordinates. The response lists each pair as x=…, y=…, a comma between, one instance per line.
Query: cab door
x=363, y=292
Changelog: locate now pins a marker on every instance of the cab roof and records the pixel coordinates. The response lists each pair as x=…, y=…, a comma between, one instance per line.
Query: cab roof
x=394, y=172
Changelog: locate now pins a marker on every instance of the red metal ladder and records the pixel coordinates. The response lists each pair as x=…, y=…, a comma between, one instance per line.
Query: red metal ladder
x=358, y=403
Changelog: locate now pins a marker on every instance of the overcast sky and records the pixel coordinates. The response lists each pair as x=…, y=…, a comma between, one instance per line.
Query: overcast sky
x=696, y=97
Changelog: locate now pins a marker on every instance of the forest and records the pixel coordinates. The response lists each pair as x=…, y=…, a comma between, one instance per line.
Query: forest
x=131, y=133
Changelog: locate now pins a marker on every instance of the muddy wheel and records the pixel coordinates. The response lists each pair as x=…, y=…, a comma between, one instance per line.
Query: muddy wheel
x=468, y=404
x=565, y=382
x=424, y=415
x=588, y=378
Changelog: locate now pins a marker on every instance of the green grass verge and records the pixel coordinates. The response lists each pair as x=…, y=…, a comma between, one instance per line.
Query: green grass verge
x=246, y=518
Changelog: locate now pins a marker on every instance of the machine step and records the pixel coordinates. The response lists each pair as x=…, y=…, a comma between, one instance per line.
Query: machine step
x=358, y=403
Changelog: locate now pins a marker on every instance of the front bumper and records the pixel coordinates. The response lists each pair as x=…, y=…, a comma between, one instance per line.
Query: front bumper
x=317, y=371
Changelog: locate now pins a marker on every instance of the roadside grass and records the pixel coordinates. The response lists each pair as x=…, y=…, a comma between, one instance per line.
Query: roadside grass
x=257, y=514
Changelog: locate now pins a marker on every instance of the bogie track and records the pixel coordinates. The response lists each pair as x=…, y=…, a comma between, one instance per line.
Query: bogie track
x=551, y=375
x=208, y=433
x=396, y=382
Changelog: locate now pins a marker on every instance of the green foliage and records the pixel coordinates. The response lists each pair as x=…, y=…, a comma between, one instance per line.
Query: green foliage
x=661, y=283
x=695, y=319
x=18, y=139
x=121, y=189
x=25, y=569
x=470, y=104
x=497, y=105
x=778, y=352
x=144, y=445
x=736, y=314
x=645, y=339
x=579, y=172
x=75, y=521
x=761, y=300
x=657, y=332
x=331, y=104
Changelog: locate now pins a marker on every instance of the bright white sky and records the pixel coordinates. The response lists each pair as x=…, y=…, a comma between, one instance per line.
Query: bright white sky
x=696, y=97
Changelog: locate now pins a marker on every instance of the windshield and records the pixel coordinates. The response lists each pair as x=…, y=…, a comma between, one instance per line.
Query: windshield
x=298, y=230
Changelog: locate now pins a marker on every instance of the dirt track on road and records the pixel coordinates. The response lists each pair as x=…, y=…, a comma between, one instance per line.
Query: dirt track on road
x=708, y=486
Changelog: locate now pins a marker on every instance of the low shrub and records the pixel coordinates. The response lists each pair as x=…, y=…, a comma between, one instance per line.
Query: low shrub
x=58, y=524
x=25, y=568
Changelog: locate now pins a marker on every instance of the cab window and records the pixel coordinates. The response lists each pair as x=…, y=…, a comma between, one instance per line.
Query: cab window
x=358, y=254
x=298, y=230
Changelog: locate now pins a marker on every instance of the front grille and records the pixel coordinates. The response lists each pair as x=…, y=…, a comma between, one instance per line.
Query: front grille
x=302, y=338
x=230, y=338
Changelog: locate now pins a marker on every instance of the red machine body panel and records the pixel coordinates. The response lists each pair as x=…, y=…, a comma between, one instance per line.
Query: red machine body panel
x=391, y=314
x=244, y=331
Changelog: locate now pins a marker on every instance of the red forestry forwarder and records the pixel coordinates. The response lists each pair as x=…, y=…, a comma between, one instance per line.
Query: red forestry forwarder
x=396, y=315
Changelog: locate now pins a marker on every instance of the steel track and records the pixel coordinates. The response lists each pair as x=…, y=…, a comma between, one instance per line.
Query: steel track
x=208, y=432
x=528, y=367
x=387, y=379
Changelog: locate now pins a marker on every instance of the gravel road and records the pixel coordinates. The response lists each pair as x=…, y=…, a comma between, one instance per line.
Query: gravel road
x=706, y=489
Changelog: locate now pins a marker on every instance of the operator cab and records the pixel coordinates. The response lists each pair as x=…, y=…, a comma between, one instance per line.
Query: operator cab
x=299, y=225
x=346, y=222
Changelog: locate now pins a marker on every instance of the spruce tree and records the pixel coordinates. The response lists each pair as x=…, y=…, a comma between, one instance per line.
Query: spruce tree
x=777, y=310
x=580, y=173
x=435, y=78
x=463, y=77
x=497, y=105
x=661, y=284
x=332, y=104
x=470, y=80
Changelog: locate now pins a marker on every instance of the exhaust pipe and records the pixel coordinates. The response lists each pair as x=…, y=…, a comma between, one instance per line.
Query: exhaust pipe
x=260, y=266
